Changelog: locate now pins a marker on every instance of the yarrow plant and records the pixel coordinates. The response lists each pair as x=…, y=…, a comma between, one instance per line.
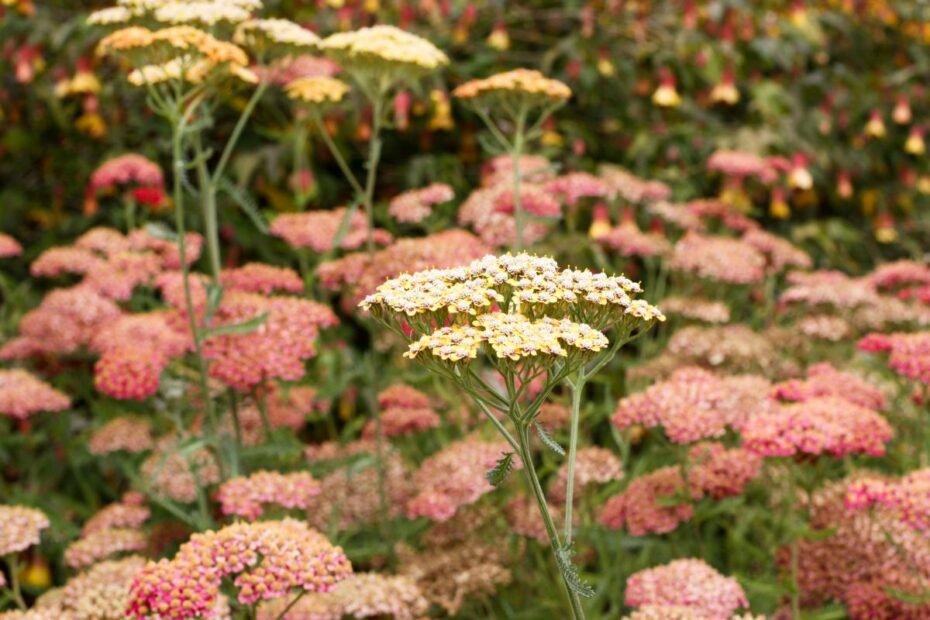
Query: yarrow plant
x=530, y=321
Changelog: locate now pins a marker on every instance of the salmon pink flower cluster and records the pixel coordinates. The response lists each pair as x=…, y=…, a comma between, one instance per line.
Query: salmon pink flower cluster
x=247, y=497
x=23, y=395
x=416, y=205
x=691, y=584
x=20, y=528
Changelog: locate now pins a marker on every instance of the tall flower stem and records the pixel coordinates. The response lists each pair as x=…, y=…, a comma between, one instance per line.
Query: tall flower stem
x=577, y=388
x=208, y=209
x=374, y=158
x=129, y=207
x=532, y=477
x=519, y=140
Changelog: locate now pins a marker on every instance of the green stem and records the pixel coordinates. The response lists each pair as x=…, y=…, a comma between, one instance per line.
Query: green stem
x=577, y=612
x=518, y=144
x=12, y=563
x=129, y=206
x=281, y=615
x=337, y=154
x=237, y=132
x=374, y=157
x=208, y=210
x=577, y=388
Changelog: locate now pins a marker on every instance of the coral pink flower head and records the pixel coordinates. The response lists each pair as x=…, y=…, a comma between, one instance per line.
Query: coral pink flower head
x=129, y=372
x=23, y=395
x=825, y=380
x=246, y=496
x=647, y=505
x=689, y=583
x=416, y=205
x=261, y=278
x=130, y=168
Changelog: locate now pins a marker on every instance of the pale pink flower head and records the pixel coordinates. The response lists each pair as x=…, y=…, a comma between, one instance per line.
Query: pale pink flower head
x=101, y=544
x=129, y=372
x=103, y=240
x=629, y=240
x=779, y=253
x=689, y=583
x=697, y=309
x=416, y=205
x=695, y=404
x=177, y=474
x=23, y=395
x=152, y=330
x=247, y=497
x=898, y=274
x=276, y=349
x=820, y=425
x=402, y=396
x=128, y=169
x=655, y=503
x=571, y=188
x=908, y=498
x=710, y=211
x=455, y=477
x=261, y=278
x=171, y=286
x=593, y=465
x=720, y=259
x=122, y=273
x=533, y=168
x=909, y=354
x=534, y=200
x=676, y=214
x=626, y=185
x=130, y=512
x=132, y=435
x=317, y=230
x=825, y=380
x=265, y=560
x=57, y=261
x=403, y=421
x=20, y=528
x=832, y=289
x=9, y=246
x=495, y=227
x=142, y=240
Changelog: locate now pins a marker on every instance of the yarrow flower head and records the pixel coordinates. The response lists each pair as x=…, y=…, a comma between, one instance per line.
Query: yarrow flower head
x=318, y=230
x=261, y=278
x=691, y=584
x=246, y=496
x=101, y=544
x=22, y=395
x=908, y=499
x=269, y=39
x=382, y=56
x=416, y=205
x=317, y=90
x=123, y=433
x=9, y=246
x=266, y=560
x=20, y=528
x=521, y=88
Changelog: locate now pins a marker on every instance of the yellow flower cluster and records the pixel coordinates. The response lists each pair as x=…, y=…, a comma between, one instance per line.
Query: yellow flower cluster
x=510, y=336
x=317, y=90
x=519, y=82
x=206, y=13
x=261, y=34
x=379, y=45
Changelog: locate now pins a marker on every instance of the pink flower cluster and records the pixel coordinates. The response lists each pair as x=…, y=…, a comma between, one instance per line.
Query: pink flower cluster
x=317, y=230
x=494, y=225
x=129, y=373
x=695, y=404
x=593, y=465
x=629, y=240
x=100, y=544
x=779, y=253
x=825, y=380
x=908, y=354
x=261, y=278
x=697, y=309
x=130, y=168
x=123, y=433
x=416, y=205
x=533, y=168
x=534, y=200
x=710, y=211
x=689, y=583
x=574, y=186
x=9, y=246
x=629, y=187
x=454, y=477
x=819, y=425
x=20, y=528
x=266, y=560
x=739, y=164
x=720, y=259
x=246, y=496
x=23, y=395
x=898, y=274
x=129, y=512
x=826, y=288
x=907, y=498
x=658, y=502
x=276, y=349
x=404, y=411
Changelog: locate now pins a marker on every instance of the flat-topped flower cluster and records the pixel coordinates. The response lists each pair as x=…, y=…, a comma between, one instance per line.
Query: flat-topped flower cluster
x=520, y=305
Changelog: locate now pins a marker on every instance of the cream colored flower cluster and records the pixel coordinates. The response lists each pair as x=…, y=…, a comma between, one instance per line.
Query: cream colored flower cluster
x=205, y=13
x=526, y=284
x=533, y=86
x=317, y=90
x=270, y=35
x=20, y=528
x=369, y=48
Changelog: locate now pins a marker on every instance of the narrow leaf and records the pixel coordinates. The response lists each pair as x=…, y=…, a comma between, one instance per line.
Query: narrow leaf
x=570, y=572
x=547, y=439
x=498, y=474
x=245, y=327
x=161, y=232
x=245, y=202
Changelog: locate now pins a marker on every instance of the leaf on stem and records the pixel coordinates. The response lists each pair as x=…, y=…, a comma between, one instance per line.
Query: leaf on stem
x=547, y=439
x=570, y=572
x=245, y=202
x=498, y=473
x=245, y=327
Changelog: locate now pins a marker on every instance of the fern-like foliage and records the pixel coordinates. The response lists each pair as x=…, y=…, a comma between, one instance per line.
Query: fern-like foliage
x=578, y=585
x=547, y=439
x=498, y=473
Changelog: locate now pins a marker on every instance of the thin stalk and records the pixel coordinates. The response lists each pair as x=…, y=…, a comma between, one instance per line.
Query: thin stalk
x=577, y=387
x=281, y=615
x=237, y=132
x=262, y=403
x=129, y=207
x=337, y=154
x=208, y=210
x=533, y=479
x=13, y=563
x=374, y=157
x=516, y=153
x=372, y=399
